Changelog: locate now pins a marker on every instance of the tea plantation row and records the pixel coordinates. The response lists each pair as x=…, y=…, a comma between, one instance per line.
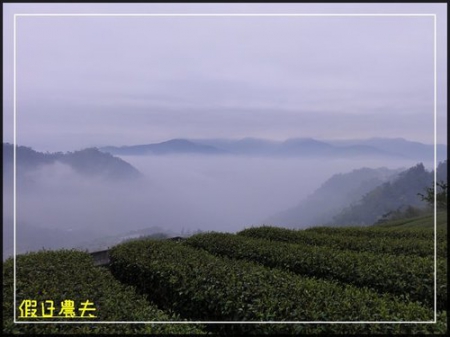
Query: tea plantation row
x=400, y=242
x=265, y=274
x=70, y=275
x=402, y=275
x=201, y=286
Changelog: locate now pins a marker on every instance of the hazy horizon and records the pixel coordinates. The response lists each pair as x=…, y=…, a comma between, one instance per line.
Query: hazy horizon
x=85, y=81
x=55, y=148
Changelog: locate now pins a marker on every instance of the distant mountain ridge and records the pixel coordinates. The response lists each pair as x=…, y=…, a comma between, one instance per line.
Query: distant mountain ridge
x=169, y=147
x=294, y=147
x=88, y=162
x=399, y=146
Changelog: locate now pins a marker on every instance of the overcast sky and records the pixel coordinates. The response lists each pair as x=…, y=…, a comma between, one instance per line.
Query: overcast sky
x=94, y=81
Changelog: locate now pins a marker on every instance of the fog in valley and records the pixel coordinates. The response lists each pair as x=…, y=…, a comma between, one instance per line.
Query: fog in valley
x=177, y=195
x=231, y=117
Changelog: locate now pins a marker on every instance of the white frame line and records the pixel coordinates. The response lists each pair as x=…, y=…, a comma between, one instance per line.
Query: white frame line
x=435, y=166
x=14, y=163
x=226, y=14
x=220, y=15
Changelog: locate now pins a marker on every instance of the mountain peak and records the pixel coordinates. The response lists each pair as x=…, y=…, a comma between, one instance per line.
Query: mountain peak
x=89, y=161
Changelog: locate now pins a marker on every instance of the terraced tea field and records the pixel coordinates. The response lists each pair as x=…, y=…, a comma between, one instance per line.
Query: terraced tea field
x=382, y=273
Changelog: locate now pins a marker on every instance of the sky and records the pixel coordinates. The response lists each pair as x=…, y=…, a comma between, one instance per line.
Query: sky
x=94, y=81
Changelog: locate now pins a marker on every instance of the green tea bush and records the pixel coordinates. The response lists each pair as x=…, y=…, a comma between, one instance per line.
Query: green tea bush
x=408, y=276
x=399, y=242
x=200, y=286
x=71, y=275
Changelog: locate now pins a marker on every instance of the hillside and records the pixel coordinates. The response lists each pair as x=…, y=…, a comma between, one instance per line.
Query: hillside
x=336, y=193
x=88, y=162
x=362, y=197
x=58, y=196
x=397, y=195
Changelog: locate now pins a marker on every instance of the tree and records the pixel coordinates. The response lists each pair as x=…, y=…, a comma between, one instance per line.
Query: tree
x=441, y=195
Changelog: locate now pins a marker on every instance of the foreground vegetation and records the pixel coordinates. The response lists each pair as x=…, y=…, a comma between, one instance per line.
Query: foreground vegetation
x=201, y=286
x=407, y=276
x=70, y=275
x=401, y=237
x=378, y=273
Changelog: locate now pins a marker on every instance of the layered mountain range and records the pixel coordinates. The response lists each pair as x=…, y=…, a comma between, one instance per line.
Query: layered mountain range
x=294, y=147
x=88, y=199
